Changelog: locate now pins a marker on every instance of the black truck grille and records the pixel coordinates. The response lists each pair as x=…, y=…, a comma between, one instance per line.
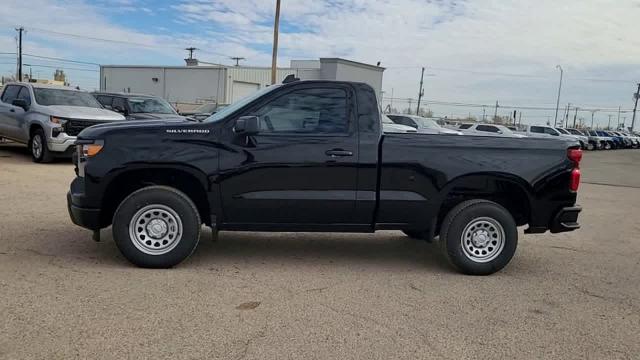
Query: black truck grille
x=73, y=127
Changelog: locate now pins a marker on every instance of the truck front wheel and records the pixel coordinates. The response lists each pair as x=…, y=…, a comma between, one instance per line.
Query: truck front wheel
x=156, y=227
x=479, y=237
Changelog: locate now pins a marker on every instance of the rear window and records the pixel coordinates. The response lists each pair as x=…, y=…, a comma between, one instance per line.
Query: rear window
x=48, y=97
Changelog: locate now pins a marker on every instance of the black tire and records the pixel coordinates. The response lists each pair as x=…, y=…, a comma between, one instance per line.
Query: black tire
x=173, y=203
x=475, y=212
x=591, y=146
x=40, y=153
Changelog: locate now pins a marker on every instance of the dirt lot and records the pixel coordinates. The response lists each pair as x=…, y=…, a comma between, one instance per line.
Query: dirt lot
x=275, y=296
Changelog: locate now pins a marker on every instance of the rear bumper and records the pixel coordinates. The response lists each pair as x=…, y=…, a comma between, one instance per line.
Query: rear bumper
x=566, y=219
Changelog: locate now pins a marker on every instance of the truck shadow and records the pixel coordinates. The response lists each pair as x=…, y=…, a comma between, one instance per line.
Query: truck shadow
x=387, y=248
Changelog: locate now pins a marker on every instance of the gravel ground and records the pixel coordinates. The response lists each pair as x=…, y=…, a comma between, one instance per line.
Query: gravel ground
x=317, y=296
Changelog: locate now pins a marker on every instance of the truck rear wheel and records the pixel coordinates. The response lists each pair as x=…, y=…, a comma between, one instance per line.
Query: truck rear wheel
x=156, y=227
x=479, y=237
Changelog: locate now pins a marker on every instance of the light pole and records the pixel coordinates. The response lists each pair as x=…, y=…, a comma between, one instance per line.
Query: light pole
x=559, y=89
x=592, y=113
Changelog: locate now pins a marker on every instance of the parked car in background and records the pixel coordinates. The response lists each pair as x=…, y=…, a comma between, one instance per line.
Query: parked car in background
x=626, y=142
x=542, y=131
x=388, y=126
x=488, y=130
x=614, y=141
x=47, y=118
x=635, y=140
x=421, y=124
x=584, y=140
x=593, y=143
x=204, y=111
x=605, y=141
x=137, y=106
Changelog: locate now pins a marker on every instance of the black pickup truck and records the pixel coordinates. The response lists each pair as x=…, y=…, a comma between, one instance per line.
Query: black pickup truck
x=311, y=156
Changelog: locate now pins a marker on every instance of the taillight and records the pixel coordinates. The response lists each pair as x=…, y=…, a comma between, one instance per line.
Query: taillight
x=574, y=182
x=575, y=155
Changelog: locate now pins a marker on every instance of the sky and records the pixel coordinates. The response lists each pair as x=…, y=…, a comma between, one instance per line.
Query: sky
x=475, y=52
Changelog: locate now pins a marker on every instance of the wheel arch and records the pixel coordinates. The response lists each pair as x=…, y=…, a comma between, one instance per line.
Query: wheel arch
x=510, y=191
x=190, y=181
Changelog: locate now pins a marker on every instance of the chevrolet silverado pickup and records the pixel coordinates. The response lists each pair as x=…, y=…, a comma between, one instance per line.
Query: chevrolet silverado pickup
x=311, y=156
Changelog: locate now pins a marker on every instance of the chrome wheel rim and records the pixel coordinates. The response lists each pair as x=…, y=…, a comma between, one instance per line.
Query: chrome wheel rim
x=36, y=146
x=482, y=239
x=155, y=229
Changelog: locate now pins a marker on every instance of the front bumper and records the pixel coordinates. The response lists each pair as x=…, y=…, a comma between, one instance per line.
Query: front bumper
x=80, y=215
x=61, y=143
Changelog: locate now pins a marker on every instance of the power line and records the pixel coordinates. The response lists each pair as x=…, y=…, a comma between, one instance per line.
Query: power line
x=52, y=58
x=115, y=41
x=60, y=67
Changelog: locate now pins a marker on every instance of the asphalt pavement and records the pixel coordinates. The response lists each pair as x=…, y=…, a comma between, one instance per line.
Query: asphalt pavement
x=317, y=296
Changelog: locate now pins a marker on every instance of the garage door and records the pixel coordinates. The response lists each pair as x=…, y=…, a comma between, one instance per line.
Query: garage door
x=241, y=89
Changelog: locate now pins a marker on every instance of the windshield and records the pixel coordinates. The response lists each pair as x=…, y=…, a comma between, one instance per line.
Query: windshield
x=48, y=97
x=149, y=105
x=504, y=129
x=563, y=131
x=206, y=108
x=574, y=132
x=464, y=126
x=426, y=123
x=240, y=103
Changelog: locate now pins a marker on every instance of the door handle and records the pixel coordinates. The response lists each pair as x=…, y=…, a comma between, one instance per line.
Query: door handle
x=338, y=152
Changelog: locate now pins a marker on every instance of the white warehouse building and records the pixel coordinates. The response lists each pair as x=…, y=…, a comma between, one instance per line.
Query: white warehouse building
x=188, y=86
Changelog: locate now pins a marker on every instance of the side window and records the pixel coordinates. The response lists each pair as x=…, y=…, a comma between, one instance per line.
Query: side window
x=487, y=128
x=537, y=129
x=24, y=95
x=464, y=126
x=10, y=93
x=118, y=103
x=550, y=131
x=105, y=101
x=307, y=111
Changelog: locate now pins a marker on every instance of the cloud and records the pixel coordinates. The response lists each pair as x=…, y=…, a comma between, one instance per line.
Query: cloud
x=509, y=49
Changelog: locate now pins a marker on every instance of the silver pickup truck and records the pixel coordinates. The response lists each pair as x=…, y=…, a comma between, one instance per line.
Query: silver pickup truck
x=47, y=118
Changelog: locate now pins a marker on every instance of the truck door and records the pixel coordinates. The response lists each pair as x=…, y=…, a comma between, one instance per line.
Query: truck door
x=7, y=110
x=301, y=168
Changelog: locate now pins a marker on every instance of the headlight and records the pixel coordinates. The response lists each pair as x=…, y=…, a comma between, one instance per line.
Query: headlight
x=57, y=120
x=88, y=148
x=91, y=150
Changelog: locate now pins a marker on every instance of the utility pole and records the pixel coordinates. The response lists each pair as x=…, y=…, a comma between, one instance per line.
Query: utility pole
x=237, y=59
x=191, y=50
x=495, y=114
x=609, y=124
x=20, y=30
x=420, y=92
x=636, y=96
x=574, y=117
x=391, y=102
x=618, y=118
x=484, y=117
x=566, y=120
x=274, y=57
x=558, y=101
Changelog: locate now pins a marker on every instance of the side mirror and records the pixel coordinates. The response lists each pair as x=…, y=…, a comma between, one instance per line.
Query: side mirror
x=247, y=125
x=20, y=103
